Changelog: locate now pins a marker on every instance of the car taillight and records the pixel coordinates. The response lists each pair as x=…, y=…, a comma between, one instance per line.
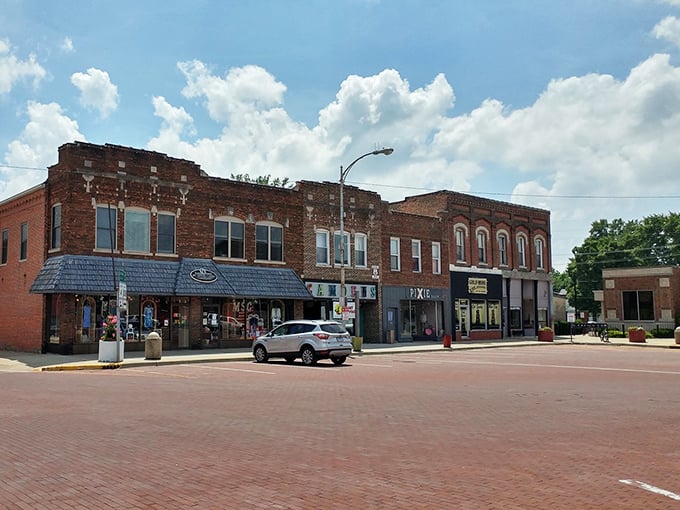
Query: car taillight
x=322, y=336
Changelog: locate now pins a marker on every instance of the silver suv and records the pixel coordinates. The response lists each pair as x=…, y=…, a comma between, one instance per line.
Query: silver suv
x=304, y=339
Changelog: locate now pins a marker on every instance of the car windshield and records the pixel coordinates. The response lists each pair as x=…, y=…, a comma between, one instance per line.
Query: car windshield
x=333, y=328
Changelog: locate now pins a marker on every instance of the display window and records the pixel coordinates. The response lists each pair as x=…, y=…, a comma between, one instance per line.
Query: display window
x=422, y=319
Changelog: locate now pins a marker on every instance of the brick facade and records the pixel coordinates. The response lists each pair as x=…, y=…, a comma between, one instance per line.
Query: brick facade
x=661, y=283
x=21, y=327
x=128, y=180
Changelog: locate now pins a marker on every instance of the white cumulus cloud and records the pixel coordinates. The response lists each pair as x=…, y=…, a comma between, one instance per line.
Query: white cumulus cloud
x=48, y=128
x=668, y=29
x=12, y=69
x=96, y=91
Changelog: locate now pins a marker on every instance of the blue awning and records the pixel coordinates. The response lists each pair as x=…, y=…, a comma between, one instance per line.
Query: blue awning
x=83, y=274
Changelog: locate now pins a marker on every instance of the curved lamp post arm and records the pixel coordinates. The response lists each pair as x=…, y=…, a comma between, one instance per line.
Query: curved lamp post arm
x=343, y=173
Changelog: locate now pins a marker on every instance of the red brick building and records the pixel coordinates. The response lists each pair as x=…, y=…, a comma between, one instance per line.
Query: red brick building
x=640, y=296
x=416, y=297
x=322, y=254
x=22, y=253
x=211, y=261
x=205, y=261
x=499, y=262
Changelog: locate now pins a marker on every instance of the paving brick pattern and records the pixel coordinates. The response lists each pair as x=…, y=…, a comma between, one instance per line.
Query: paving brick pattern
x=554, y=427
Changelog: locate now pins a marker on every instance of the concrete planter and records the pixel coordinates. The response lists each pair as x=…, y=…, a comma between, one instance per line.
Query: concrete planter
x=546, y=335
x=111, y=351
x=637, y=335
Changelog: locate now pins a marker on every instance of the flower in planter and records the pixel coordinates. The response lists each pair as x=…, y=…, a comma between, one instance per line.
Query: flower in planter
x=636, y=328
x=545, y=328
x=110, y=326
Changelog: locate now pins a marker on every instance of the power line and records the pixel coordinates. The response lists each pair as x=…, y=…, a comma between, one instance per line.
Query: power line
x=23, y=167
x=528, y=195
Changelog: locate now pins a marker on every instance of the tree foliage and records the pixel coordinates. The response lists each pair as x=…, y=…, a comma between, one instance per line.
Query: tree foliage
x=265, y=180
x=652, y=241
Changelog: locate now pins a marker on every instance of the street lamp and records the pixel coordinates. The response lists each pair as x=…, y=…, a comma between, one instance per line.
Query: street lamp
x=343, y=173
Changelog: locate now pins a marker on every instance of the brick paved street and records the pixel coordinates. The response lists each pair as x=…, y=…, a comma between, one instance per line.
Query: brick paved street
x=555, y=427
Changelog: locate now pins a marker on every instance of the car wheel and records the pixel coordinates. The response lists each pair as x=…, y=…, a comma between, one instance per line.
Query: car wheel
x=260, y=354
x=289, y=359
x=308, y=356
x=339, y=360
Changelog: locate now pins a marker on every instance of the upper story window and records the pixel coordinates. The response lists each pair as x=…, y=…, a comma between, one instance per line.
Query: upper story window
x=341, y=249
x=322, y=248
x=360, y=250
x=137, y=230
x=395, y=262
x=502, y=249
x=538, y=244
x=55, y=228
x=23, y=252
x=481, y=246
x=522, y=251
x=166, y=233
x=229, y=238
x=269, y=242
x=436, y=258
x=415, y=255
x=5, y=244
x=460, y=245
x=106, y=227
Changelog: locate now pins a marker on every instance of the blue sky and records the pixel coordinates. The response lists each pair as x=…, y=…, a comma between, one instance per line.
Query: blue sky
x=570, y=106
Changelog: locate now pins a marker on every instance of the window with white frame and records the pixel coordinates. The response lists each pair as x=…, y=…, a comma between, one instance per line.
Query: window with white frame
x=502, y=249
x=322, y=248
x=360, y=244
x=137, y=230
x=55, y=228
x=106, y=228
x=538, y=243
x=395, y=262
x=521, y=251
x=229, y=238
x=166, y=233
x=415, y=255
x=481, y=246
x=341, y=249
x=436, y=258
x=460, y=245
x=269, y=242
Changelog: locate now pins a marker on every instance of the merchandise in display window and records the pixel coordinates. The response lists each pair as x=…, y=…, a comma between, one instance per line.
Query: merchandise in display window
x=422, y=319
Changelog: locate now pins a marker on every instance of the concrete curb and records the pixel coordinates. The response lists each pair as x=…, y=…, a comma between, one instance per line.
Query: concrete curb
x=375, y=349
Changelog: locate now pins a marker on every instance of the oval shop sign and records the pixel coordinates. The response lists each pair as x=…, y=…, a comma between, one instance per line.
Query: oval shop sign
x=203, y=275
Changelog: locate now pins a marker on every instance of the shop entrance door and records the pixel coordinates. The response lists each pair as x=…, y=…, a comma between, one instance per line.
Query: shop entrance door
x=180, y=325
x=464, y=317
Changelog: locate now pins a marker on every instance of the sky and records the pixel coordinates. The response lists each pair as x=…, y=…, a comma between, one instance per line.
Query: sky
x=569, y=106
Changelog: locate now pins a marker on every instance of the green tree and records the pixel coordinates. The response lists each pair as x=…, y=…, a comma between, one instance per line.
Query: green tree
x=265, y=180
x=652, y=241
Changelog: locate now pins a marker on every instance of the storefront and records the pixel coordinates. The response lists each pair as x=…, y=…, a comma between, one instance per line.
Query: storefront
x=477, y=297
x=361, y=303
x=415, y=313
x=192, y=303
x=528, y=304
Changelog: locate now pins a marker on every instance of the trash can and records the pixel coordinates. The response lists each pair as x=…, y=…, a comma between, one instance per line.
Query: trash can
x=357, y=342
x=153, y=346
x=676, y=334
x=447, y=341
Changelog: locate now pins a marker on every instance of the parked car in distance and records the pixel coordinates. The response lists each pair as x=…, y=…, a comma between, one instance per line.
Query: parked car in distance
x=309, y=340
